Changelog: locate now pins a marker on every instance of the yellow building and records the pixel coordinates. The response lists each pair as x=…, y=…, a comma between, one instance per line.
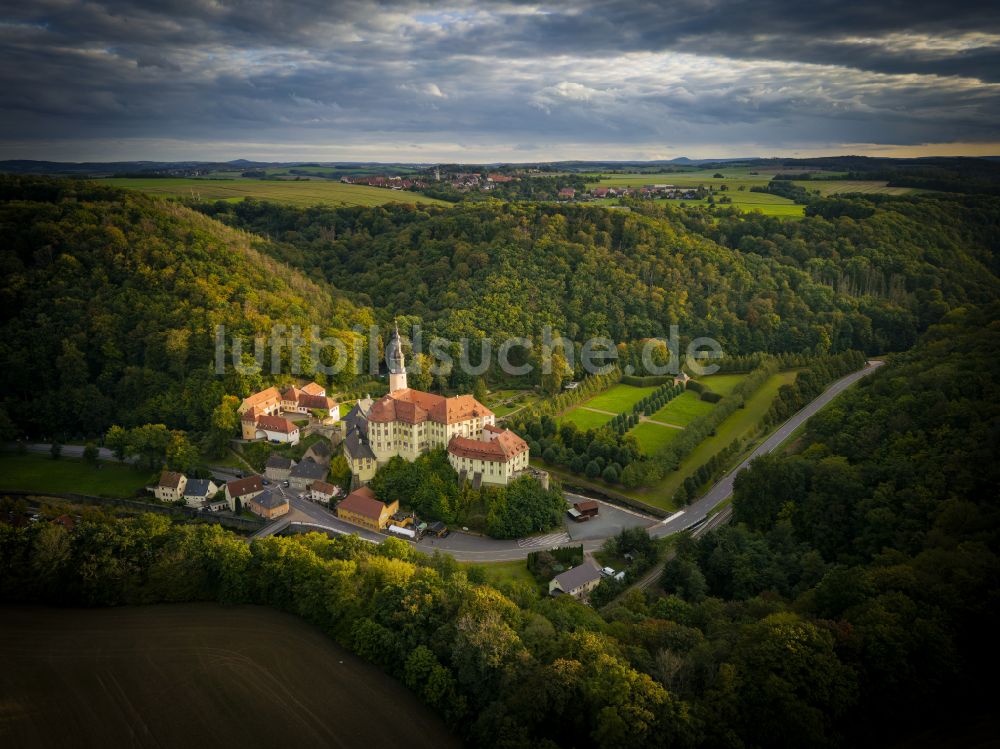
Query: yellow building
x=497, y=457
x=268, y=504
x=362, y=507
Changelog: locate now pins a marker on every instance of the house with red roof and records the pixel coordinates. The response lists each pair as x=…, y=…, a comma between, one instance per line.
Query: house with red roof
x=362, y=507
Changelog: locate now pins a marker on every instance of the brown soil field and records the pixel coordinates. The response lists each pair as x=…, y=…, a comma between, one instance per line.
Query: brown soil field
x=194, y=675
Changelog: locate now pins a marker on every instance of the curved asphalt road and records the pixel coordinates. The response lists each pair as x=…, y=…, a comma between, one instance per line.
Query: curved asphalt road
x=471, y=548
x=698, y=510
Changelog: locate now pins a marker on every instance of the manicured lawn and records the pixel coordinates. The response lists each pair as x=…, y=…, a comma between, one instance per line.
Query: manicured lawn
x=683, y=409
x=722, y=384
x=585, y=419
x=737, y=425
x=504, y=402
x=619, y=398
x=653, y=437
x=42, y=474
x=298, y=193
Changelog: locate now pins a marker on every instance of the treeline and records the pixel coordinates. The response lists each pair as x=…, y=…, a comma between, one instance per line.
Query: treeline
x=542, y=673
x=592, y=452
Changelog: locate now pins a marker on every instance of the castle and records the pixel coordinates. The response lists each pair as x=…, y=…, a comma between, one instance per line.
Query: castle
x=408, y=423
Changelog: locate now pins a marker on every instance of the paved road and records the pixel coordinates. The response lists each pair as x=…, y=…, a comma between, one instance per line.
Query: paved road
x=473, y=548
x=698, y=511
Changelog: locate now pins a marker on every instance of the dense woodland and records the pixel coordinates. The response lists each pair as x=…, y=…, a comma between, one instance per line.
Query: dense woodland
x=110, y=299
x=853, y=601
x=827, y=283
x=109, y=303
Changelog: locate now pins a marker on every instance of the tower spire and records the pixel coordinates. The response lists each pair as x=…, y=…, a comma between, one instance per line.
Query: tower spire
x=394, y=361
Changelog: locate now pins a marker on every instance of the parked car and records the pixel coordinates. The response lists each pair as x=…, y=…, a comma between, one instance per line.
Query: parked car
x=285, y=484
x=265, y=482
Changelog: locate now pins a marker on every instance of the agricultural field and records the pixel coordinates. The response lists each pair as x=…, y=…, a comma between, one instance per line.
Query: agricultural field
x=842, y=186
x=40, y=473
x=757, y=202
x=289, y=192
x=195, y=675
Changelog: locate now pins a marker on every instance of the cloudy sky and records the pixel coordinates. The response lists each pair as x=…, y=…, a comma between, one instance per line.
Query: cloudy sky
x=496, y=81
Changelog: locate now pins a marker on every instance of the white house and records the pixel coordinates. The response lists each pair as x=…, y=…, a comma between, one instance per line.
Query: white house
x=170, y=487
x=199, y=491
x=576, y=582
x=277, y=429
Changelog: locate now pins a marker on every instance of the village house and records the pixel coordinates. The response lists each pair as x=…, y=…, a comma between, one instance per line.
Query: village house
x=321, y=491
x=276, y=429
x=305, y=473
x=567, y=193
x=268, y=504
x=576, y=582
x=278, y=467
x=261, y=413
x=170, y=487
x=319, y=452
x=199, y=491
x=362, y=507
x=243, y=490
x=408, y=423
x=307, y=400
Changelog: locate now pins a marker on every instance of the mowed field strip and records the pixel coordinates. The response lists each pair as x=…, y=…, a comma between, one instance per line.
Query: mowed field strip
x=603, y=407
x=289, y=192
x=843, y=186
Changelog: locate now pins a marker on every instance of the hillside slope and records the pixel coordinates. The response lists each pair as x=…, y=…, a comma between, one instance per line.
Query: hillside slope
x=500, y=269
x=110, y=301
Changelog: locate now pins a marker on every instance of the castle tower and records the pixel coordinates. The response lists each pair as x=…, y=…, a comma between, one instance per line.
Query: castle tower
x=394, y=360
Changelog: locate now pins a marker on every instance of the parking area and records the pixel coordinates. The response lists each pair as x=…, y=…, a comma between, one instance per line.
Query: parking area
x=610, y=520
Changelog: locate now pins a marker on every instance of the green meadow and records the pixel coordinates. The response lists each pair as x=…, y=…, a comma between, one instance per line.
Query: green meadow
x=40, y=473
x=290, y=192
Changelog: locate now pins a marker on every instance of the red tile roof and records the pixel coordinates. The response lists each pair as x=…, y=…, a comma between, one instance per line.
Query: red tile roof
x=170, y=479
x=275, y=424
x=415, y=406
x=313, y=389
x=242, y=487
x=499, y=450
x=322, y=487
x=362, y=501
x=263, y=396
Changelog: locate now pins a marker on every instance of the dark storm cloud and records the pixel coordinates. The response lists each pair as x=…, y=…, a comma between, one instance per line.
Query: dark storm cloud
x=768, y=72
